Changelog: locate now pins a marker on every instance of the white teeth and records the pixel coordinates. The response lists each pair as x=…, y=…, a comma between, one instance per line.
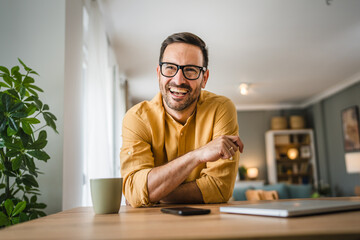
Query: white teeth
x=178, y=90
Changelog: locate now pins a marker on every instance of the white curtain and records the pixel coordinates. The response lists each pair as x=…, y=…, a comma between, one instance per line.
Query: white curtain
x=98, y=112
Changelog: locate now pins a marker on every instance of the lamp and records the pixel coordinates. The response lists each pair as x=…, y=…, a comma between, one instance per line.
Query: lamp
x=252, y=173
x=293, y=153
x=244, y=88
x=352, y=161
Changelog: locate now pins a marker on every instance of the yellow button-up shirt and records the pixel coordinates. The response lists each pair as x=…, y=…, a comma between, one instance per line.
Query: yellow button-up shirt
x=151, y=138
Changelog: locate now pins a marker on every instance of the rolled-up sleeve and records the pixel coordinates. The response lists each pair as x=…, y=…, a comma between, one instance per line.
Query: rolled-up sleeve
x=217, y=179
x=136, y=160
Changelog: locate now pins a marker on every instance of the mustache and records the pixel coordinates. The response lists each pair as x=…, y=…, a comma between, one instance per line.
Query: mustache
x=183, y=85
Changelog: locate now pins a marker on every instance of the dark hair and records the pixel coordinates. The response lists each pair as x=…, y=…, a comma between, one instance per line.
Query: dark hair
x=189, y=38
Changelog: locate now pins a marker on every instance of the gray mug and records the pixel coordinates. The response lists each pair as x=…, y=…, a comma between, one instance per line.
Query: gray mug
x=106, y=194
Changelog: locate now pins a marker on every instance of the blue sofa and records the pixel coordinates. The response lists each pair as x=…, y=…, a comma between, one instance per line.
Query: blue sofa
x=285, y=191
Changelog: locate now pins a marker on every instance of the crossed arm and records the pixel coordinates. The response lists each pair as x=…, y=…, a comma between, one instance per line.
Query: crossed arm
x=164, y=182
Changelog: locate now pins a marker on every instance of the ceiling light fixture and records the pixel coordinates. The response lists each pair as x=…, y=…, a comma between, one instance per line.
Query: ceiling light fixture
x=244, y=89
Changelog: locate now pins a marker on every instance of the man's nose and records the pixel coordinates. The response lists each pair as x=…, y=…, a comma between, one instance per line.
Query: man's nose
x=179, y=77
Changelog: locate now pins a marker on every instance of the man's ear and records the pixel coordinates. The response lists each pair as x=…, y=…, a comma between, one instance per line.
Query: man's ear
x=158, y=71
x=206, y=76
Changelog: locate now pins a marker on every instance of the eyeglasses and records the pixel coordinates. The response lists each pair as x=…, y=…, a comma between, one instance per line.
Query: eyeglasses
x=190, y=72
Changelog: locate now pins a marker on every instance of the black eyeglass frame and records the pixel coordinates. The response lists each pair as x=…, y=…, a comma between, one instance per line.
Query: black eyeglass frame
x=202, y=69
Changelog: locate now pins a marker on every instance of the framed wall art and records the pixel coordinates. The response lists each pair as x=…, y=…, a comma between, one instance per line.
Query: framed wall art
x=351, y=131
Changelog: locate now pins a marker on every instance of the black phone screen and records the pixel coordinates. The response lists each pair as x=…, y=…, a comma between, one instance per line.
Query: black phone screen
x=186, y=211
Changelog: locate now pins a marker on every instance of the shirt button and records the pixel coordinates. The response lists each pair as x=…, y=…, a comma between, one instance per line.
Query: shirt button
x=181, y=134
x=129, y=152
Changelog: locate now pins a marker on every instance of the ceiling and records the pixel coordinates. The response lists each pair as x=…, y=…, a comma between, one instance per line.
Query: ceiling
x=291, y=52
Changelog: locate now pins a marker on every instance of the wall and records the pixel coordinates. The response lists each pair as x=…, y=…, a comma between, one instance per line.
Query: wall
x=252, y=128
x=326, y=119
x=35, y=32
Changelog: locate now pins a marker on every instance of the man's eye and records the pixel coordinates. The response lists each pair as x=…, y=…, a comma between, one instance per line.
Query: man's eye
x=191, y=69
x=170, y=67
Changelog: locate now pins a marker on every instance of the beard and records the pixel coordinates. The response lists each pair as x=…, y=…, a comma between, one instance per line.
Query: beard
x=179, y=104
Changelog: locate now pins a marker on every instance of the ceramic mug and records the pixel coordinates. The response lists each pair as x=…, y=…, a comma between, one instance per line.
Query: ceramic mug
x=106, y=194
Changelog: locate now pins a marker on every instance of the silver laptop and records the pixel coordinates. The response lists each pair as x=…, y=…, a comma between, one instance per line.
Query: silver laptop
x=292, y=208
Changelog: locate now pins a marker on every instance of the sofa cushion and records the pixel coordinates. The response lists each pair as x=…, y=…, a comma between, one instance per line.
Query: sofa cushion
x=281, y=189
x=239, y=193
x=300, y=191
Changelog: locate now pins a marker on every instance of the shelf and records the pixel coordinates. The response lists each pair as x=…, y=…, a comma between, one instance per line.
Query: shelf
x=303, y=169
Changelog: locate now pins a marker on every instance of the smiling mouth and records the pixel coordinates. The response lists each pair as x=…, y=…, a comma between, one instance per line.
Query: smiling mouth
x=179, y=92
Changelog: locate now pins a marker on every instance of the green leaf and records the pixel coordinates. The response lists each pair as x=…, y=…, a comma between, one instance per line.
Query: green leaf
x=42, y=136
x=10, y=174
x=16, y=107
x=9, y=206
x=29, y=181
x=46, y=107
x=16, y=145
x=38, y=103
x=30, y=110
x=3, y=123
x=15, y=220
x=33, y=72
x=12, y=124
x=19, y=208
x=41, y=155
x=9, y=80
x=25, y=67
x=2, y=84
x=16, y=163
x=19, y=115
x=40, y=205
x=23, y=217
x=33, y=215
x=4, y=220
x=10, y=132
x=12, y=153
x=25, y=138
x=26, y=127
x=15, y=69
x=33, y=92
x=4, y=70
x=50, y=122
x=35, y=87
x=52, y=116
x=33, y=199
x=30, y=164
x=2, y=185
x=38, y=144
x=31, y=120
x=6, y=101
x=28, y=80
x=22, y=91
x=14, y=93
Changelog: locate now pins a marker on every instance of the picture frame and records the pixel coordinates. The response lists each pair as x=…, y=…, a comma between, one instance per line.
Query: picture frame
x=305, y=151
x=350, y=127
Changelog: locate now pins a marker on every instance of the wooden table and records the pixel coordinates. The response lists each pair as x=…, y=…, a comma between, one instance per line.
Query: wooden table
x=150, y=223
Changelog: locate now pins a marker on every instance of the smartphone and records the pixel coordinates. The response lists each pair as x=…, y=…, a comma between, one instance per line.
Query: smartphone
x=186, y=211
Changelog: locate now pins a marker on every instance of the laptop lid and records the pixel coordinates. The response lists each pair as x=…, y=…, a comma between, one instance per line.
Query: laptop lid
x=292, y=207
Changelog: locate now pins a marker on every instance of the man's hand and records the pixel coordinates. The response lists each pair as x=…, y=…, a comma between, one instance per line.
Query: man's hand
x=222, y=147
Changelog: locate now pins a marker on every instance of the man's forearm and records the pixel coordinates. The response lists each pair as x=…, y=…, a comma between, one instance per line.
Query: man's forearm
x=185, y=193
x=165, y=179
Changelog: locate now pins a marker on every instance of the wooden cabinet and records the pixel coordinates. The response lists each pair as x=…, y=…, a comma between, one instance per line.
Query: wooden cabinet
x=291, y=156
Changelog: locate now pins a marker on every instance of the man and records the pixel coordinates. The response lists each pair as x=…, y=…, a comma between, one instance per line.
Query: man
x=183, y=145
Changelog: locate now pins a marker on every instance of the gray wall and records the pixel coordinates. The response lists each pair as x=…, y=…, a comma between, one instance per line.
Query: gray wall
x=35, y=32
x=325, y=117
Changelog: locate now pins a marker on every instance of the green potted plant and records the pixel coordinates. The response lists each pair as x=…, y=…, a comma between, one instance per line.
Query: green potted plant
x=242, y=172
x=23, y=119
